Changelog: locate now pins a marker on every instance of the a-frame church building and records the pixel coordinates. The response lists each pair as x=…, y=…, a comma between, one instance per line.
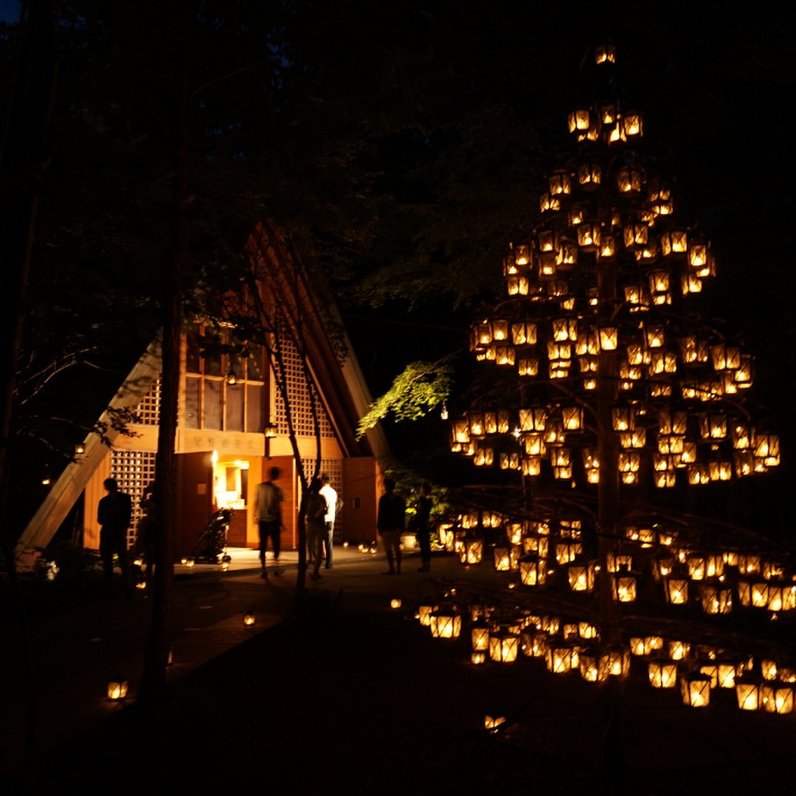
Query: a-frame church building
x=233, y=426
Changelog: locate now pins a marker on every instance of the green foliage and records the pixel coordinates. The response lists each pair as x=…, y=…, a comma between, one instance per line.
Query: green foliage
x=415, y=391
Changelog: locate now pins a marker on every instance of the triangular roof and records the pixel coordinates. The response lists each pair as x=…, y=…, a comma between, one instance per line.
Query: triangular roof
x=344, y=393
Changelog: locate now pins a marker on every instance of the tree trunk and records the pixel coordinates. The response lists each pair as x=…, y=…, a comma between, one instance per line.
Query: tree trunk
x=158, y=649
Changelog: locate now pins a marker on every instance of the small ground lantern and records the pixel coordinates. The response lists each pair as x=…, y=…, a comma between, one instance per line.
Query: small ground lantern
x=777, y=697
x=445, y=535
x=616, y=661
x=695, y=689
x=116, y=690
x=472, y=552
x=395, y=603
x=715, y=598
x=502, y=558
x=591, y=666
x=533, y=570
x=759, y=594
x=768, y=669
x=445, y=623
x=581, y=577
x=533, y=643
x=623, y=587
x=493, y=723
x=679, y=650
x=676, y=590
x=248, y=618
x=424, y=613
x=561, y=658
x=479, y=635
x=662, y=673
x=504, y=647
x=747, y=692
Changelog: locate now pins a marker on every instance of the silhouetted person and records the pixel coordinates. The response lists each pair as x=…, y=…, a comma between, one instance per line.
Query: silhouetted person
x=423, y=526
x=315, y=522
x=114, y=513
x=390, y=523
x=268, y=513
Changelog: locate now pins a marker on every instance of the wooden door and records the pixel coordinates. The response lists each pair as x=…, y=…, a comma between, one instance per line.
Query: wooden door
x=194, y=499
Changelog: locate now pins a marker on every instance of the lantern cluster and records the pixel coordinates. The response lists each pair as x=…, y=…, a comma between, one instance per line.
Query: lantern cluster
x=537, y=554
x=595, y=301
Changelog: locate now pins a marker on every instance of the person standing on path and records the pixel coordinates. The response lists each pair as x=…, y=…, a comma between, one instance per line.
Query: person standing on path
x=114, y=514
x=332, y=504
x=390, y=523
x=268, y=514
x=315, y=521
x=423, y=526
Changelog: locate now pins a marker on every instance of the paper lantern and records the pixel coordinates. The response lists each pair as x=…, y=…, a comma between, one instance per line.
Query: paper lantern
x=616, y=661
x=503, y=647
x=479, y=635
x=561, y=658
x=472, y=552
x=695, y=689
x=533, y=643
x=116, y=690
x=747, y=694
x=623, y=587
x=776, y=697
x=533, y=570
x=662, y=673
x=445, y=624
x=424, y=613
x=592, y=666
x=676, y=590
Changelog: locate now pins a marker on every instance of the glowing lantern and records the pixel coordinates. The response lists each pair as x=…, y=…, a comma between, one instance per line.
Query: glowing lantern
x=777, y=697
x=561, y=658
x=679, y=650
x=445, y=624
x=715, y=599
x=479, y=635
x=116, y=690
x=533, y=570
x=581, y=577
x=424, y=613
x=747, y=693
x=662, y=673
x=623, y=587
x=616, y=661
x=533, y=643
x=592, y=667
x=695, y=689
x=676, y=590
x=504, y=647
x=502, y=557
x=248, y=619
x=472, y=551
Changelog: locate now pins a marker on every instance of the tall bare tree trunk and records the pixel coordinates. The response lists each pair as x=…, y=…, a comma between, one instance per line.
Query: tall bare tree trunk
x=156, y=656
x=23, y=163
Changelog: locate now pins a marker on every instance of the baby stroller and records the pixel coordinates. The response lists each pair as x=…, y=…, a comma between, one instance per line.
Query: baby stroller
x=213, y=541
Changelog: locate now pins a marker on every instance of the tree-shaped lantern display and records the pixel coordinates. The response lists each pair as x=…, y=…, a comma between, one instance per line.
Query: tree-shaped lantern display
x=605, y=377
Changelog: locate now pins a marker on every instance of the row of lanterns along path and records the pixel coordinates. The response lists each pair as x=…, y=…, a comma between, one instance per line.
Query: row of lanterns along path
x=530, y=618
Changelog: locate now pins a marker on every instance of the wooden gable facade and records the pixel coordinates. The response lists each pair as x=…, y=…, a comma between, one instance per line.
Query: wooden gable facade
x=234, y=418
